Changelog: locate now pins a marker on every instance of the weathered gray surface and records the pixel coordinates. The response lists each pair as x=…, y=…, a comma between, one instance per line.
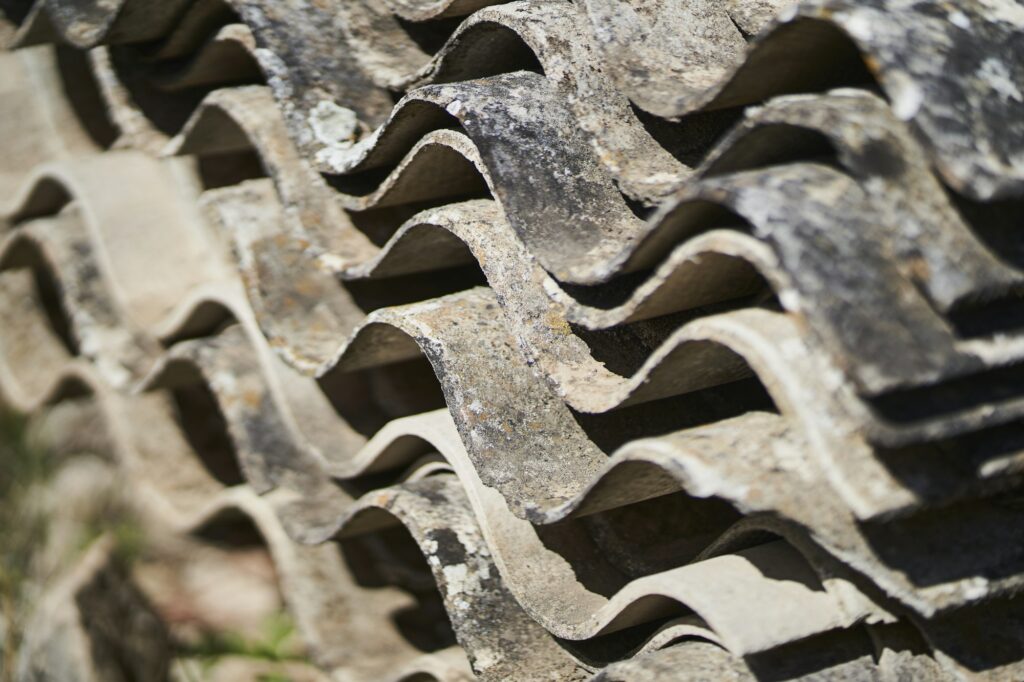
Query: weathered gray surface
x=648, y=339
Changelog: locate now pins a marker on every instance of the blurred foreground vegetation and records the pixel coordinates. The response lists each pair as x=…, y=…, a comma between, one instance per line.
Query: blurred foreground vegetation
x=24, y=469
x=43, y=532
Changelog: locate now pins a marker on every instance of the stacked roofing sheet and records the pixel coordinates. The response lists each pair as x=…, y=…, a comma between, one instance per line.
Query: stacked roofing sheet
x=542, y=340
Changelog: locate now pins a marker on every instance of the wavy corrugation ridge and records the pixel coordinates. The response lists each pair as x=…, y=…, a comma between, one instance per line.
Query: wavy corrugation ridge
x=268, y=462
x=990, y=278
x=182, y=475
x=702, y=66
x=514, y=35
x=147, y=81
x=239, y=393
x=39, y=122
x=913, y=50
x=568, y=362
x=248, y=398
x=657, y=339
x=883, y=652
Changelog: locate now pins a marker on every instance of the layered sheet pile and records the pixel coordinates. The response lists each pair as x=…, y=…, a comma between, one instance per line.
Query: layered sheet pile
x=538, y=340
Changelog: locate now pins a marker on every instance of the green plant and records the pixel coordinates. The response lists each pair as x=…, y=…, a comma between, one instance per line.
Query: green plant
x=274, y=644
x=115, y=520
x=274, y=677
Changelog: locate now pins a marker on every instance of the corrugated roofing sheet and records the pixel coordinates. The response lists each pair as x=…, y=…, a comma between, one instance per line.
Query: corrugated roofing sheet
x=542, y=340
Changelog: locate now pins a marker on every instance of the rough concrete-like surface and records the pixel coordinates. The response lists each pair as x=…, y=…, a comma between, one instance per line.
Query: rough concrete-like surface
x=532, y=340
